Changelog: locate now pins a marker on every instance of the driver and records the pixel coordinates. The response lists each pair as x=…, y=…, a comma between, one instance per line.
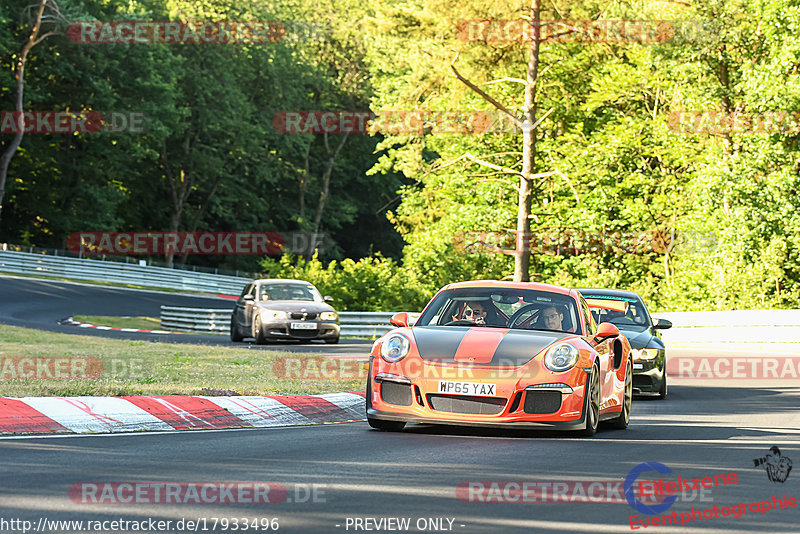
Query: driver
x=482, y=313
x=552, y=318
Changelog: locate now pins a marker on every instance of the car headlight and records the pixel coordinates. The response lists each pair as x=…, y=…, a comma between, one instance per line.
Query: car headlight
x=327, y=316
x=395, y=348
x=272, y=315
x=644, y=354
x=561, y=357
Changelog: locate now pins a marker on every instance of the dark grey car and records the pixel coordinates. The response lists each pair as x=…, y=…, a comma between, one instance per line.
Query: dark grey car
x=277, y=309
x=649, y=352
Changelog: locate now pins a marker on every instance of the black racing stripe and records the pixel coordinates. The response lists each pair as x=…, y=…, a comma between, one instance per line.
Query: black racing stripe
x=439, y=343
x=519, y=346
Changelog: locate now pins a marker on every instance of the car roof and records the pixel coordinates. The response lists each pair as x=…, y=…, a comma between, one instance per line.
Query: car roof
x=505, y=284
x=608, y=292
x=286, y=280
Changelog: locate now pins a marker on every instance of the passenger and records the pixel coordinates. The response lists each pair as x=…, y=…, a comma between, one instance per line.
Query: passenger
x=551, y=318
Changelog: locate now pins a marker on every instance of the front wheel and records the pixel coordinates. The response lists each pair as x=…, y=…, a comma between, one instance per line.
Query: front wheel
x=332, y=341
x=624, y=417
x=662, y=392
x=258, y=330
x=386, y=426
x=592, y=402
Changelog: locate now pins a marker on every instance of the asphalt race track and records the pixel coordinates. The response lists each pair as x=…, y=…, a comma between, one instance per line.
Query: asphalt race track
x=349, y=478
x=360, y=473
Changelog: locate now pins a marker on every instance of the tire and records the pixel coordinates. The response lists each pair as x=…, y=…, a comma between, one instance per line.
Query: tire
x=592, y=403
x=236, y=336
x=624, y=418
x=332, y=341
x=258, y=330
x=386, y=426
x=662, y=392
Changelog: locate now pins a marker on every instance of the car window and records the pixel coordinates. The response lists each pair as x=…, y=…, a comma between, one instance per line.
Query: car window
x=248, y=290
x=588, y=318
x=523, y=309
x=621, y=311
x=278, y=291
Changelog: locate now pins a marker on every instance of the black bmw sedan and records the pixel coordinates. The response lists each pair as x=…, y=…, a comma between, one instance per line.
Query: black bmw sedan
x=627, y=311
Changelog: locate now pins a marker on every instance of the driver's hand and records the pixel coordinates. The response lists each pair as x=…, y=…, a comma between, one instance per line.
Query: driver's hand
x=454, y=317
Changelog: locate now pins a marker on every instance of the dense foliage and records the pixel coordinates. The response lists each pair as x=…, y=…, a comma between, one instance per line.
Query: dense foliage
x=689, y=210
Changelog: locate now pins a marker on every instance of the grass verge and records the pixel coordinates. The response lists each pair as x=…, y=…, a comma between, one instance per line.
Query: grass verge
x=140, y=323
x=146, y=368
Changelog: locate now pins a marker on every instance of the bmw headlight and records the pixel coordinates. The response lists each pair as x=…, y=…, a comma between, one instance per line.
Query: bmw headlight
x=395, y=348
x=327, y=316
x=561, y=357
x=644, y=354
x=273, y=315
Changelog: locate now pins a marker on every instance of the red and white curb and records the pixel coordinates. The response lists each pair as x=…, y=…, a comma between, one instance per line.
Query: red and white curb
x=82, y=415
x=70, y=322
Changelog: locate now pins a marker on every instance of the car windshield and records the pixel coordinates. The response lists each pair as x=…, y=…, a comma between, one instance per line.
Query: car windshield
x=521, y=309
x=621, y=311
x=269, y=292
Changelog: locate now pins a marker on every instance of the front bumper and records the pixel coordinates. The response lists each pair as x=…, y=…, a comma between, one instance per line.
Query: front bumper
x=519, y=402
x=521, y=424
x=648, y=374
x=283, y=330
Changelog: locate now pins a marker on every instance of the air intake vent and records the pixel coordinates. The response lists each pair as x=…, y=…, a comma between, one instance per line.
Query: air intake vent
x=465, y=404
x=393, y=393
x=538, y=402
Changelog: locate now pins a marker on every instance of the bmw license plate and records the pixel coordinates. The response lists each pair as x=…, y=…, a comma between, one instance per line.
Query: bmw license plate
x=468, y=388
x=304, y=326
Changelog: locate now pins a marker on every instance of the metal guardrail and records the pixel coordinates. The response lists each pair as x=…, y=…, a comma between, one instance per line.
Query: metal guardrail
x=758, y=326
x=736, y=326
x=216, y=321
x=123, y=273
x=202, y=320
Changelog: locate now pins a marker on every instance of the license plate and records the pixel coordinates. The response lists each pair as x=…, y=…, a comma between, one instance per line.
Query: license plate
x=468, y=388
x=304, y=326
x=638, y=366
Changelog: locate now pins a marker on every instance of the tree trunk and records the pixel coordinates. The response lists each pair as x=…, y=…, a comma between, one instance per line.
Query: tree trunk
x=179, y=192
x=522, y=257
x=323, y=196
x=5, y=159
x=201, y=209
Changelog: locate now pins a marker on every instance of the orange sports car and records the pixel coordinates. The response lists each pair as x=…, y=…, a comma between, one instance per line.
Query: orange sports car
x=511, y=354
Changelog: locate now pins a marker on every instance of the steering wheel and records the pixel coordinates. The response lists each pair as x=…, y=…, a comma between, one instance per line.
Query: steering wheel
x=520, y=312
x=461, y=322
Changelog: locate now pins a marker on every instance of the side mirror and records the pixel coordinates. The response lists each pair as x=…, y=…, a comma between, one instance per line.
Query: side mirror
x=399, y=319
x=605, y=331
x=249, y=297
x=662, y=324
x=327, y=298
